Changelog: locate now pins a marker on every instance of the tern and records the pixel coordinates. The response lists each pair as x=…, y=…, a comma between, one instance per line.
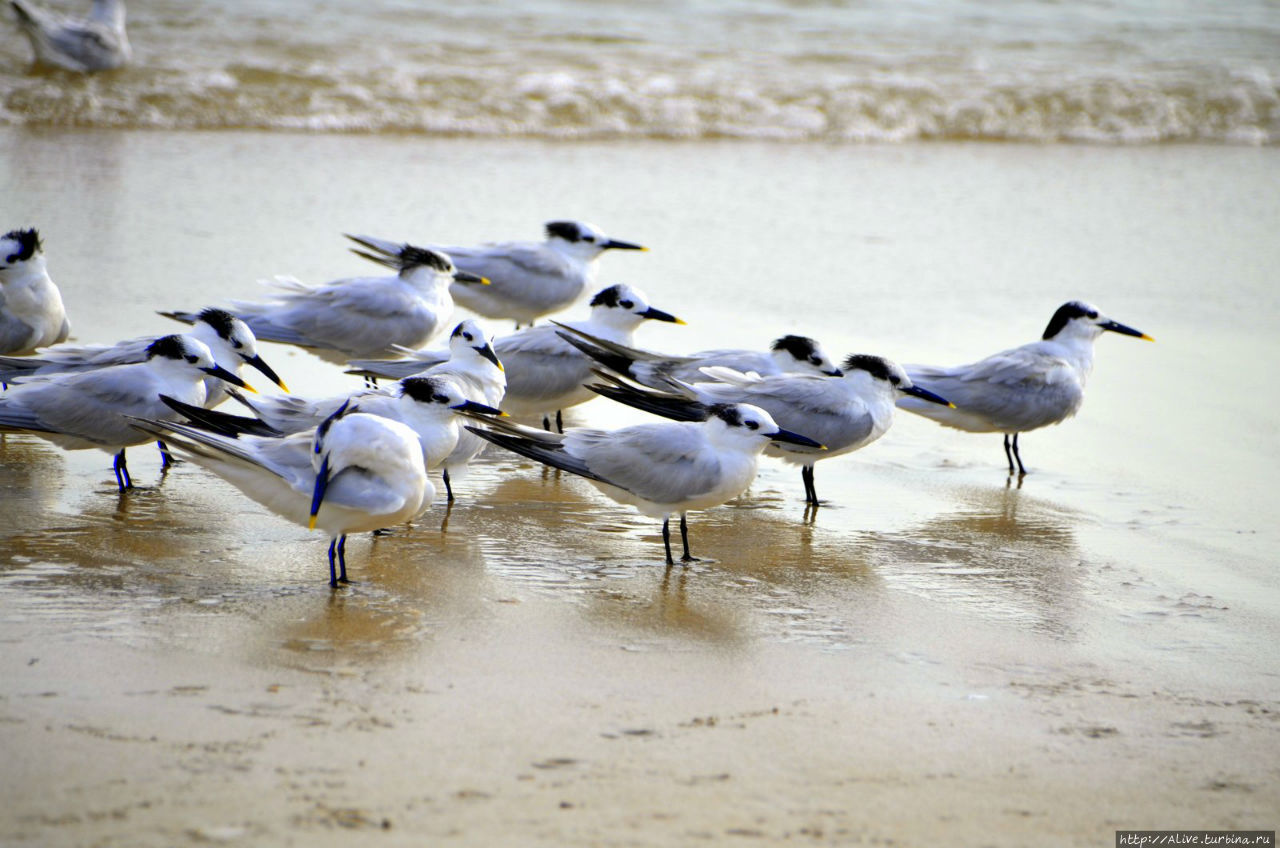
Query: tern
x=529, y=279
x=355, y=472
x=546, y=374
x=1023, y=388
x=361, y=316
x=95, y=43
x=95, y=409
x=663, y=468
x=472, y=361
x=844, y=413
x=229, y=339
x=31, y=310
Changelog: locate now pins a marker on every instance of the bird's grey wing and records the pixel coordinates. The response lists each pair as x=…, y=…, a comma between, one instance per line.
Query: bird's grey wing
x=92, y=405
x=390, y=369
x=542, y=449
x=18, y=416
x=76, y=357
x=356, y=315
x=664, y=463
x=540, y=364
x=291, y=413
x=267, y=329
x=14, y=333
x=1017, y=389
x=397, y=369
x=356, y=488
x=275, y=472
x=811, y=405
x=1020, y=366
x=88, y=42
x=503, y=261
x=15, y=367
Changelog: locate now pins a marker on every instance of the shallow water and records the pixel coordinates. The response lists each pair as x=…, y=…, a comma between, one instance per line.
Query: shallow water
x=1119, y=71
x=1136, y=560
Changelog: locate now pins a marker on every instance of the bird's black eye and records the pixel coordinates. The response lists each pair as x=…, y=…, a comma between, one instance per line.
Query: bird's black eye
x=468, y=337
x=192, y=359
x=895, y=380
x=627, y=304
x=1092, y=315
x=751, y=425
x=237, y=344
x=588, y=238
x=816, y=360
x=440, y=398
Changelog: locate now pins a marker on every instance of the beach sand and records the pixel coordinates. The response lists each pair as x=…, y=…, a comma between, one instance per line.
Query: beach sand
x=939, y=655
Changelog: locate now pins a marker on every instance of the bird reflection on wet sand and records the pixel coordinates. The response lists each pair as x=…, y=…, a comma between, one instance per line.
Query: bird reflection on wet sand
x=1004, y=552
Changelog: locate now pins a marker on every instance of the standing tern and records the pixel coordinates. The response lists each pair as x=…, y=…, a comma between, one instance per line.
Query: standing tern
x=1023, y=388
x=228, y=338
x=361, y=316
x=844, y=413
x=546, y=374
x=787, y=355
x=94, y=409
x=95, y=43
x=661, y=469
x=529, y=279
x=355, y=472
x=472, y=361
x=31, y=311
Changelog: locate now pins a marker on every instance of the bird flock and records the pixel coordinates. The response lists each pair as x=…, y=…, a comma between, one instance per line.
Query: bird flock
x=363, y=459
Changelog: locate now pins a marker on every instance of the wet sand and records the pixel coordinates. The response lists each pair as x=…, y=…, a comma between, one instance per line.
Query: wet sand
x=939, y=654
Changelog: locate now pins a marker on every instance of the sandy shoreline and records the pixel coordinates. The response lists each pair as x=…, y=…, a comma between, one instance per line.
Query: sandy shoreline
x=938, y=655
x=484, y=735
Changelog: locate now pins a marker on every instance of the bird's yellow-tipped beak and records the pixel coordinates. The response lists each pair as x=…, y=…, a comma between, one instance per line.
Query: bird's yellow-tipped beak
x=682, y=322
x=1145, y=337
x=249, y=388
x=283, y=387
x=311, y=523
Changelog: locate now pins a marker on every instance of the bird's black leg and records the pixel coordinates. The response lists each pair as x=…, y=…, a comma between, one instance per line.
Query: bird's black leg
x=1008, y=452
x=333, y=576
x=1021, y=468
x=559, y=422
x=342, y=559
x=546, y=423
x=123, y=480
x=166, y=459
x=810, y=492
x=684, y=537
x=447, y=488
x=666, y=539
